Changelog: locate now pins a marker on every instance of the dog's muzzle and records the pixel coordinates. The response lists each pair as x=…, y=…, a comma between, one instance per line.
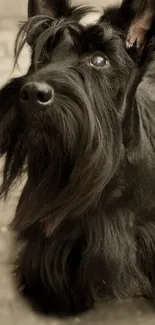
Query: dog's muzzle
x=36, y=94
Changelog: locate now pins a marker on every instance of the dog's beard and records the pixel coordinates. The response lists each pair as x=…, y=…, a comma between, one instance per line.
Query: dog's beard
x=71, y=152
x=11, y=134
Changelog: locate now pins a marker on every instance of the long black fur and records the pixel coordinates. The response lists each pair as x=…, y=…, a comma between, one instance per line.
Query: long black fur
x=86, y=216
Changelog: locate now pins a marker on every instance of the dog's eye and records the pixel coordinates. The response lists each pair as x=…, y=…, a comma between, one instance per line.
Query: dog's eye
x=98, y=60
x=43, y=57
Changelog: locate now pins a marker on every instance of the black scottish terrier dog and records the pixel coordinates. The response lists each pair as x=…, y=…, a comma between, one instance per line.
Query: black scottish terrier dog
x=82, y=120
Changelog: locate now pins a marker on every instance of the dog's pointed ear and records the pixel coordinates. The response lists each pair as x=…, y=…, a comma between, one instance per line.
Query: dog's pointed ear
x=133, y=17
x=57, y=8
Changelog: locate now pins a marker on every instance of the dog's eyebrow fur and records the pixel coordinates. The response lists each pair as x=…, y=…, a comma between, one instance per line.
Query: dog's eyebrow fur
x=38, y=33
x=43, y=27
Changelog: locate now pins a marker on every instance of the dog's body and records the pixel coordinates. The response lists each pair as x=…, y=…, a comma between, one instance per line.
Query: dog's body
x=83, y=121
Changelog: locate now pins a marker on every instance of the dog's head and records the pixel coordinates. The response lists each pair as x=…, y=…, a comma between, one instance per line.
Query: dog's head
x=63, y=119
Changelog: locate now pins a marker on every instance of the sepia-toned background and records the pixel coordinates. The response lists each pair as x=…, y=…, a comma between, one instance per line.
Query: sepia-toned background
x=13, y=310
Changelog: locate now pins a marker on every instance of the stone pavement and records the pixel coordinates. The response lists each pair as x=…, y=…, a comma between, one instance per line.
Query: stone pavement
x=13, y=309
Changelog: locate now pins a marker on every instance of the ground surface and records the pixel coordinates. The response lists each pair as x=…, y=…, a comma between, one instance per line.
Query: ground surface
x=15, y=311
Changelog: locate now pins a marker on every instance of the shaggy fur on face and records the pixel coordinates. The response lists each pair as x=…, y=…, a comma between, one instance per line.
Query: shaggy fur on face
x=86, y=217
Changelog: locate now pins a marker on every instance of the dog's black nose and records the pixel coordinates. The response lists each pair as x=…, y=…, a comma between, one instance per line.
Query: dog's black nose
x=37, y=93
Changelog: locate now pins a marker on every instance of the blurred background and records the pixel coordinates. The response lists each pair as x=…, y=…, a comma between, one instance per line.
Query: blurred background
x=17, y=8
x=11, y=12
